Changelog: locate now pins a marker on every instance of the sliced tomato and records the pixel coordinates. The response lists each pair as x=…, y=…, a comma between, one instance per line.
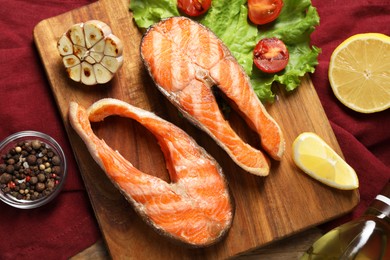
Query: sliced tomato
x=270, y=55
x=264, y=11
x=193, y=7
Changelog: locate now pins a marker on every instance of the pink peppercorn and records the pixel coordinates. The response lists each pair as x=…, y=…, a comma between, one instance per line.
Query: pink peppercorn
x=11, y=185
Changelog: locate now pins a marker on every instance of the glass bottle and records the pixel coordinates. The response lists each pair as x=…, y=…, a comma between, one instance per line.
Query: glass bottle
x=367, y=237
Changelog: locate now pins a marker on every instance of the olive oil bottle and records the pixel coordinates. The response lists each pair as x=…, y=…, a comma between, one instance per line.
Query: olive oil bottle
x=367, y=237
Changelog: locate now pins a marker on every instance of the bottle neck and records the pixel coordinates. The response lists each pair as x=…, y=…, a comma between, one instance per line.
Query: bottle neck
x=380, y=207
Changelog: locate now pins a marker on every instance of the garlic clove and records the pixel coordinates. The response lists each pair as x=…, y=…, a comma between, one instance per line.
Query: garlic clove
x=65, y=46
x=112, y=63
x=87, y=74
x=99, y=46
x=70, y=61
x=96, y=56
x=103, y=75
x=113, y=46
x=76, y=34
x=75, y=72
x=79, y=51
x=94, y=31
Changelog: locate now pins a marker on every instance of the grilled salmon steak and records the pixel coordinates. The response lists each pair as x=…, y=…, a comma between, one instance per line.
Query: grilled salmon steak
x=195, y=208
x=185, y=60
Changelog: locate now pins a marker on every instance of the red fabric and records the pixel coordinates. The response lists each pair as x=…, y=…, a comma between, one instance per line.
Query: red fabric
x=67, y=225
x=363, y=138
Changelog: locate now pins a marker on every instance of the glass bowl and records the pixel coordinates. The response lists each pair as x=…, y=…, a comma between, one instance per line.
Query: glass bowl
x=30, y=173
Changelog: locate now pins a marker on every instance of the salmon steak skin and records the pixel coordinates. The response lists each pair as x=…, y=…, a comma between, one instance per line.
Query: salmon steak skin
x=186, y=60
x=196, y=208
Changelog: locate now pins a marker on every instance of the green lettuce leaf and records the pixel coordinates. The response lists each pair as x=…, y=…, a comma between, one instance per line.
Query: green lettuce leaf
x=228, y=19
x=148, y=12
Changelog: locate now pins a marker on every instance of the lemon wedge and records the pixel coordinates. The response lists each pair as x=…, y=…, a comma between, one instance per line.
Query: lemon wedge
x=316, y=158
x=359, y=72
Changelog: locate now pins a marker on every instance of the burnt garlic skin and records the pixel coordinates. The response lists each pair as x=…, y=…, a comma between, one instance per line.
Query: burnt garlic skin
x=90, y=52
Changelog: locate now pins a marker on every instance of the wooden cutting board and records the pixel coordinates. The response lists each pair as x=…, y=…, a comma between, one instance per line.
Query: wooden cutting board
x=267, y=208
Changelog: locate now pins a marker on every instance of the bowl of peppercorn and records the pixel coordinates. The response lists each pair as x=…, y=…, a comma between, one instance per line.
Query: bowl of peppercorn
x=32, y=169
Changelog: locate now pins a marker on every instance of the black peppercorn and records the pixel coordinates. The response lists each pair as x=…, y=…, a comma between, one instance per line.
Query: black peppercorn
x=56, y=160
x=22, y=186
x=40, y=187
x=2, y=167
x=33, y=180
x=10, y=169
x=31, y=159
x=50, y=184
x=11, y=161
x=56, y=169
x=41, y=177
x=17, y=166
x=5, y=178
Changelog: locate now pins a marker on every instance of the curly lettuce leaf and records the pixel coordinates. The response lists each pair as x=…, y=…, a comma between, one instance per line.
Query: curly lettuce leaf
x=148, y=12
x=228, y=19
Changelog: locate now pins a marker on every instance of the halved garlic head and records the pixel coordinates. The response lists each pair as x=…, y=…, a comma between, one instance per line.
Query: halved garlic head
x=90, y=52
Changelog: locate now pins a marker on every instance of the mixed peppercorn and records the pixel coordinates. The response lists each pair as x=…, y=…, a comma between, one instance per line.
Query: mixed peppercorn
x=30, y=170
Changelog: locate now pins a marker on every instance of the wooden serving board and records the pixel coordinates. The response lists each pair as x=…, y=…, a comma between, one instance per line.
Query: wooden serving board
x=267, y=208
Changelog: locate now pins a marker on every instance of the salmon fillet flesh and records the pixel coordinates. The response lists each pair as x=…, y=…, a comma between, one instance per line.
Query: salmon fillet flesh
x=195, y=208
x=185, y=60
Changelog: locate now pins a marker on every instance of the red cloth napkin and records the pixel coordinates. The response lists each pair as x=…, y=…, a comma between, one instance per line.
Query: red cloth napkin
x=67, y=225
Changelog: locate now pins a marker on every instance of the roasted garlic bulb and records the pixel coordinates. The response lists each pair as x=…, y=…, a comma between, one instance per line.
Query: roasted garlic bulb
x=91, y=53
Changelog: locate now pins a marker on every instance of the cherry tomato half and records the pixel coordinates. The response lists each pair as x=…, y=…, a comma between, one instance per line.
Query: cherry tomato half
x=264, y=11
x=193, y=7
x=270, y=55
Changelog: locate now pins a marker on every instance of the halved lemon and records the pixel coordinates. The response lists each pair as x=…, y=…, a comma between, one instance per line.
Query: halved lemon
x=359, y=72
x=316, y=158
